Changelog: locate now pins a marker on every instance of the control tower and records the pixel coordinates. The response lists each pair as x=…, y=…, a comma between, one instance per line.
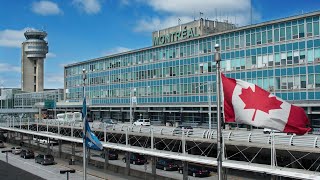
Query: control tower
x=34, y=51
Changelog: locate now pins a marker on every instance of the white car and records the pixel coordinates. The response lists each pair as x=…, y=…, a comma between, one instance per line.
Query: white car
x=16, y=150
x=268, y=131
x=142, y=122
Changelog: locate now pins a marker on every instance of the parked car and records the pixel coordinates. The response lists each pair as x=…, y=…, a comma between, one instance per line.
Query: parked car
x=2, y=144
x=108, y=122
x=166, y=164
x=16, y=150
x=187, y=130
x=142, y=122
x=44, y=159
x=195, y=171
x=268, y=131
x=136, y=159
x=27, y=154
x=113, y=155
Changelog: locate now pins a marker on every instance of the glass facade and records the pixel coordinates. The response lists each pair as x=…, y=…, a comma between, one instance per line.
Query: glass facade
x=281, y=56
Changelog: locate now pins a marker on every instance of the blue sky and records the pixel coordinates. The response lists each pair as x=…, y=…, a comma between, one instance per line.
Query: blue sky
x=82, y=29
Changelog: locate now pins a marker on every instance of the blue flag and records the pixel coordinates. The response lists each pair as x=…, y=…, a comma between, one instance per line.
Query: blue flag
x=91, y=139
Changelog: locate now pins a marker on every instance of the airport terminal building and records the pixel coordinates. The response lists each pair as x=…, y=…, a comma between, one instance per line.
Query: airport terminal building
x=169, y=80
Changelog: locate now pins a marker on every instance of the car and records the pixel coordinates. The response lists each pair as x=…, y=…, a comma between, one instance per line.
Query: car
x=2, y=144
x=188, y=130
x=142, y=122
x=44, y=159
x=113, y=155
x=195, y=171
x=136, y=159
x=107, y=122
x=16, y=150
x=166, y=164
x=27, y=154
x=268, y=131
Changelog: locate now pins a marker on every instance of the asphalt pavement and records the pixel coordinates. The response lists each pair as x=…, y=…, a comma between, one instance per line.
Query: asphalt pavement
x=9, y=172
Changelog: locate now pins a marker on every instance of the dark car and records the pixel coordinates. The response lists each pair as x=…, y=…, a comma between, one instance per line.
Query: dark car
x=113, y=155
x=27, y=154
x=136, y=159
x=44, y=159
x=195, y=171
x=188, y=130
x=166, y=164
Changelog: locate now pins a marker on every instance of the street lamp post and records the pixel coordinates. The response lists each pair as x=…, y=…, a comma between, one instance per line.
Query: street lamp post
x=209, y=102
x=6, y=151
x=219, y=135
x=84, y=77
x=132, y=90
x=67, y=171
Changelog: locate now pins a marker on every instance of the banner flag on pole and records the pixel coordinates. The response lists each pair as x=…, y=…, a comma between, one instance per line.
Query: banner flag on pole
x=91, y=139
x=249, y=104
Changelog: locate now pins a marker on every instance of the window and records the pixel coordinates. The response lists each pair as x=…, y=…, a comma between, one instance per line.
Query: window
x=264, y=37
x=303, y=82
x=289, y=58
x=258, y=34
x=296, y=57
x=269, y=36
x=282, y=34
x=247, y=40
x=276, y=35
x=301, y=30
x=317, y=54
x=317, y=80
x=316, y=28
x=288, y=33
x=277, y=59
x=310, y=55
x=309, y=29
x=295, y=32
x=283, y=59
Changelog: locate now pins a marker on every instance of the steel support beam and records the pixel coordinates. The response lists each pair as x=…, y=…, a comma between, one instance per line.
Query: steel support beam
x=153, y=167
x=185, y=170
x=127, y=171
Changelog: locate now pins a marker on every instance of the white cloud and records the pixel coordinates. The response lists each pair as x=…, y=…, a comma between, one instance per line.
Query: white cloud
x=115, y=50
x=12, y=38
x=46, y=8
x=235, y=11
x=88, y=6
x=4, y=67
x=51, y=55
x=53, y=80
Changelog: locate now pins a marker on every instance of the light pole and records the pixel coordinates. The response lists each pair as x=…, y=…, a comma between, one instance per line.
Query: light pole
x=67, y=171
x=132, y=90
x=6, y=151
x=84, y=77
x=209, y=102
x=219, y=135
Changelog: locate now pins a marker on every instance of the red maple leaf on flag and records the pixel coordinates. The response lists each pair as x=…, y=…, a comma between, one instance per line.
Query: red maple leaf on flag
x=259, y=100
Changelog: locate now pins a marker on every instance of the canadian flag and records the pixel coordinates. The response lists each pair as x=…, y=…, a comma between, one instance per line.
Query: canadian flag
x=249, y=104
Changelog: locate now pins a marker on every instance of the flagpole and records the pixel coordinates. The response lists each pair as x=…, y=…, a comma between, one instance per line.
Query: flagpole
x=219, y=135
x=84, y=77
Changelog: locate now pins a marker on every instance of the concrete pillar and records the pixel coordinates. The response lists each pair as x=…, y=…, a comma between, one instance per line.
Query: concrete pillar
x=185, y=170
x=202, y=117
x=153, y=167
x=60, y=148
x=127, y=171
x=106, y=158
x=164, y=117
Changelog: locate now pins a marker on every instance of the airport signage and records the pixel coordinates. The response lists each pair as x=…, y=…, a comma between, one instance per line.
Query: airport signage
x=186, y=33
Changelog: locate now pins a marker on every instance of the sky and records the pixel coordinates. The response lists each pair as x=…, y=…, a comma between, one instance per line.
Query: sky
x=79, y=30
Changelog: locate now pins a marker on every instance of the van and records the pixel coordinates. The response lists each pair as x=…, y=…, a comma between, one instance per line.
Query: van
x=142, y=122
